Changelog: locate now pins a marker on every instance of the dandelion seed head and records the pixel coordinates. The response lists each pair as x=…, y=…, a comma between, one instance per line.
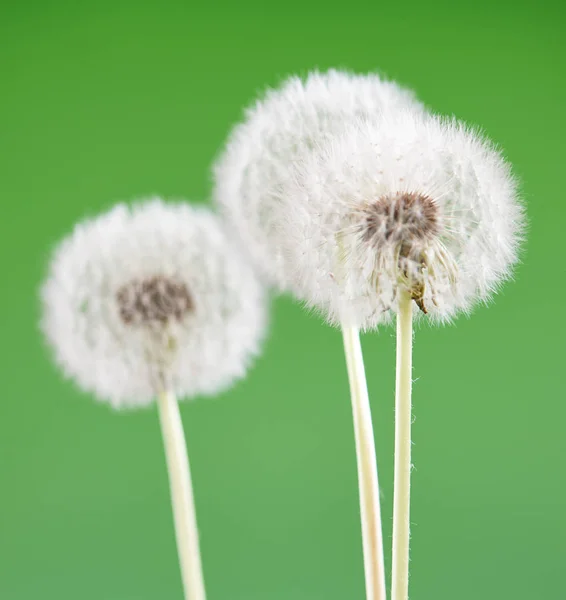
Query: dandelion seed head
x=152, y=296
x=345, y=212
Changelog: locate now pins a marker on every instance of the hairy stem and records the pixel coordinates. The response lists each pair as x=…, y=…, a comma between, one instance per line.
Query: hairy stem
x=402, y=481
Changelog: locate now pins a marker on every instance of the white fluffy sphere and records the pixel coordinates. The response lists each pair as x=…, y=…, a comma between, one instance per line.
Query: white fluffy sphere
x=148, y=297
x=344, y=202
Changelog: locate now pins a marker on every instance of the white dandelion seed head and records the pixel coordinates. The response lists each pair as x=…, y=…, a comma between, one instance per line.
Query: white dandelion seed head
x=395, y=199
x=152, y=296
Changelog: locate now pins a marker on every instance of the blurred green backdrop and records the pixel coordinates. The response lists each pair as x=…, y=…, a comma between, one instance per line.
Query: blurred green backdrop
x=106, y=101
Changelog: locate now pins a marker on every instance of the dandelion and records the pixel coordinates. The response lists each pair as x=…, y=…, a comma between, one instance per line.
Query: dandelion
x=364, y=210
x=153, y=301
x=263, y=157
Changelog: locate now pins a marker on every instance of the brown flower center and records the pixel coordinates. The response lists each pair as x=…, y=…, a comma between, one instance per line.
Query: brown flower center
x=405, y=217
x=153, y=301
x=408, y=222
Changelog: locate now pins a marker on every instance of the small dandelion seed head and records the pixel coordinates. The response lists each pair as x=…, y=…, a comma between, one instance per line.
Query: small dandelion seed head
x=152, y=296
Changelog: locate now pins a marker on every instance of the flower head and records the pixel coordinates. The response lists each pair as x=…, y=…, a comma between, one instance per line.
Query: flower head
x=389, y=199
x=149, y=297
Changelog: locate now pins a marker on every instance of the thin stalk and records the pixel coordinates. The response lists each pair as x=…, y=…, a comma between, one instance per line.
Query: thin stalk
x=182, y=499
x=367, y=467
x=402, y=480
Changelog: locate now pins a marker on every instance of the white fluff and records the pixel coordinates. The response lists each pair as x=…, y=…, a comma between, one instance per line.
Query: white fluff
x=301, y=173
x=126, y=363
x=276, y=134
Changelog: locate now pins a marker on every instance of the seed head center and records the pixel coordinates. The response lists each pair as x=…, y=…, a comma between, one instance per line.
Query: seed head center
x=406, y=218
x=153, y=301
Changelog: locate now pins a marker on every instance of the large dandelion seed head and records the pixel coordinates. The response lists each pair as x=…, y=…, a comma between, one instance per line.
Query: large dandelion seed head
x=388, y=200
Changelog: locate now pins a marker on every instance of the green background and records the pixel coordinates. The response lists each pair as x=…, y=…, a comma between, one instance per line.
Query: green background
x=106, y=101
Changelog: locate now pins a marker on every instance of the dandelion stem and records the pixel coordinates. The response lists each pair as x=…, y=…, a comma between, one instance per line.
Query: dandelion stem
x=402, y=479
x=182, y=498
x=367, y=467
